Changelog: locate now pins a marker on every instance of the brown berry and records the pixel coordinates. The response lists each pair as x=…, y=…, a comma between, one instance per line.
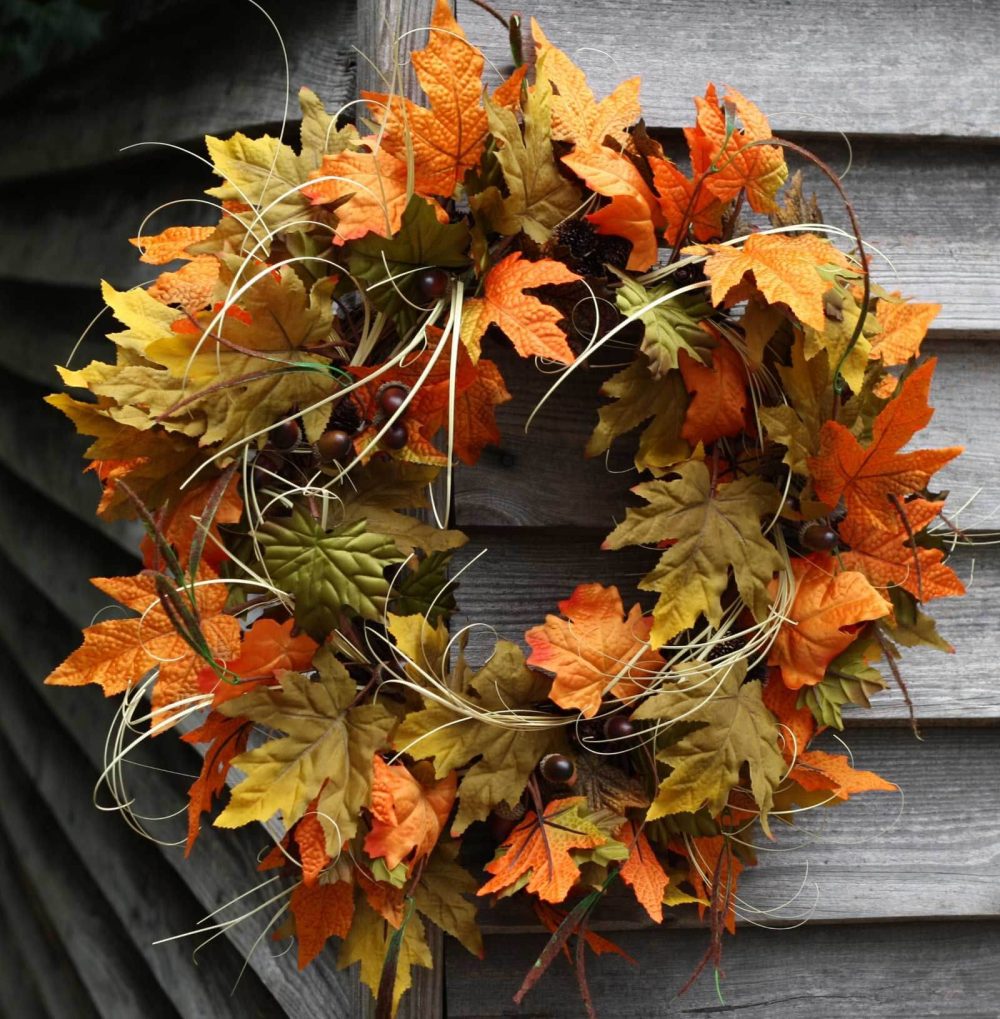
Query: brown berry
x=818, y=536
x=618, y=727
x=286, y=435
x=334, y=445
x=558, y=769
x=396, y=436
x=432, y=284
x=391, y=399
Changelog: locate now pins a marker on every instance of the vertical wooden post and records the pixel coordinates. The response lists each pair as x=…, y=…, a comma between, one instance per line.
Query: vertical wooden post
x=380, y=24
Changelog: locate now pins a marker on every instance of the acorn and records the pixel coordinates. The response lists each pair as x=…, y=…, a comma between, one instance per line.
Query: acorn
x=286, y=435
x=818, y=536
x=334, y=444
x=557, y=769
x=619, y=727
x=396, y=436
x=391, y=398
x=432, y=284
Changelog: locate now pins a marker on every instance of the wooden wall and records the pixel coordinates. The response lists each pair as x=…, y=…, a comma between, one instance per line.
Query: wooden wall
x=905, y=903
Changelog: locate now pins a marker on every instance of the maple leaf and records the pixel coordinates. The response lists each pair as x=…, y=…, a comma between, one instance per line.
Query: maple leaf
x=643, y=872
x=816, y=769
x=851, y=354
x=827, y=600
x=670, y=327
x=576, y=115
x=407, y=814
x=891, y=557
x=714, y=528
x=371, y=941
x=446, y=139
x=634, y=211
x=171, y=244
x=540, y=197
x=715, y=865
x=542, y=850
x=718, y=395
x=326, y=752
x=727, y=156
x=268, y=648
x=117, y=653
x=638, y=396
x=318, y=132
x=507, y=754
x=849, y=679
x=785, y=270
x=228, y=738
x=684, y=205
x=867, y=477
x=426, y=589
x=904, y=326
x=440, y=896
x=327, y=572
x=190, y=287
x=594, y=651
x=528, y=323
x=605, y=786
x=734, y=729
x=321, y=911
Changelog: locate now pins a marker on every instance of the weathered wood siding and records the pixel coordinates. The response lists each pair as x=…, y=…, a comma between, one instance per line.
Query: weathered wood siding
x=906, y=919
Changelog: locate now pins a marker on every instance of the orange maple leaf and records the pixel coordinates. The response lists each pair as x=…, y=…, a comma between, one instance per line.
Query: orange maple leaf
x=447, y=139
x=533, y=327
x=407, y=814
x=594, y=651
x=643, y=872
x=634, y=211
x=827, y=601
x=309, y=838
x=715, y=873
x=818, y=770
x=321, y=912
x=171, y=244
x=228, y=737
x=541, y=848
x=508, y=92
x=785, y=270
x=576, y=116
x=269, y=647
x=190, y=287
x=685, y=205
x=731, y=158
x=887, y=557
x=904, y=326
x=870, y=477
x=797, y=725
x=117, y=653
x=719, y=395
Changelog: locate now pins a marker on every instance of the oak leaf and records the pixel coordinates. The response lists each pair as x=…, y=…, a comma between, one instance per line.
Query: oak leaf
x=718, y=394
x=530, y=325
x=734, y=729
x=643, y=872
x=593, y=651
x=407, y=814
x=869, y=477
x=713, y=529
x=827, y=602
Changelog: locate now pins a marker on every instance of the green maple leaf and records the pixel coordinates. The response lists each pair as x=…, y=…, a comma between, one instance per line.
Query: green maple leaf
x=421, y=241
x=328, y=745
x=507, y=755
x=735, y=729
x=639, y=397
x=714, y=531
x=670, y=327
x=540, y=197
x=327, y=572
x=426, y=590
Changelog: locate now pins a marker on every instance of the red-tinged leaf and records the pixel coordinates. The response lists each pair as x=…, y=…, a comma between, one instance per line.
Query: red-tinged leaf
x=684, y=205
x=228, y=737
x=818, y=770
x=797, y=725
x=643, y=872
x=715, y=873
x=552, y=917
x=321, y=912
x=719, y=395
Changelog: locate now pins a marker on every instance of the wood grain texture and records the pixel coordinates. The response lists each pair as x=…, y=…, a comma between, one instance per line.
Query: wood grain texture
x=41, y=970
x=930, y=209
x=924, y=67
x=106, y=961
x=541, y=478
x=880, y=971
x=195, y=69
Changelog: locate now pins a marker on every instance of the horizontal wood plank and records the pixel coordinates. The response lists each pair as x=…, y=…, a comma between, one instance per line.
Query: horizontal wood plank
x=923, y=67
x=878, y=971
x=943, y=250
x=196, y=69
x=540, y=478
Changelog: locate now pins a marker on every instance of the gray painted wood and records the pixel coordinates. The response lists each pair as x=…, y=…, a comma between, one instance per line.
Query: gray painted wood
x=875, y=971
x=901, y=67
x=197, y=69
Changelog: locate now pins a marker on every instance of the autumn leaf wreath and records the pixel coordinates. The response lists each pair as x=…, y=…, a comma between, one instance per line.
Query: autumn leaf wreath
x=283, y=417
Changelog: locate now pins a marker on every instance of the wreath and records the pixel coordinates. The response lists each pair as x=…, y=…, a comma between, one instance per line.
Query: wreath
x=284, y=415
